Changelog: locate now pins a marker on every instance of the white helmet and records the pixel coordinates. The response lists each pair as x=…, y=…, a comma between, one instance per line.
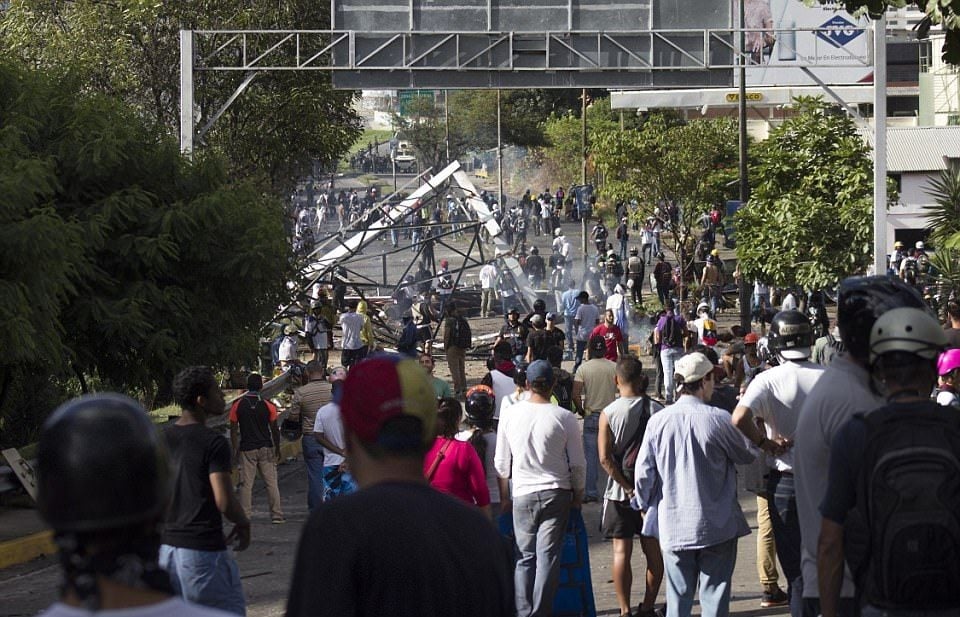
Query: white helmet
x=919, y=244
x=557, y=232
x=909, y=330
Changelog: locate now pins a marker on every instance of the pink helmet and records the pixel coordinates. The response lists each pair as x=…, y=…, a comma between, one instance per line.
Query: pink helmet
x=948, y=361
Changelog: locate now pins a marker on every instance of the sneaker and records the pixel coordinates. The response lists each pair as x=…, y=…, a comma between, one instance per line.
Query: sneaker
x=774, y=598
x=279, y=521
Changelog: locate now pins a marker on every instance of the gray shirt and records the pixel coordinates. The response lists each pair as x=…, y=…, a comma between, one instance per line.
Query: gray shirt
x=623, y=417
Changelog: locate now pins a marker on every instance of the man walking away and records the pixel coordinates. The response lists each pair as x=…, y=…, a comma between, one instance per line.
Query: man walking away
x=306, y=401
x=194, y=550
x=352, y=324
x=488, y=288
x=843, y=390
x=594, y=387
x=539, y=448
x=448, y=560
x=686, y=478
x=255, y=438
x=328, y=432
x=622, y=425
x=893, y=491
x=587, y=318
x=669, y=336
x=776, y=396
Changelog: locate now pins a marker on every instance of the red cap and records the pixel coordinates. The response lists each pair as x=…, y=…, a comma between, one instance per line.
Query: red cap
x=385, y=387
x=751, y=338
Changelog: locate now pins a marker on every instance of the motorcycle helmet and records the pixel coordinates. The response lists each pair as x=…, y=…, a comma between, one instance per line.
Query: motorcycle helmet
x=101, y=464
x=790, y=335
x=539, y=306
x=479, y=406
x=862, y=300
x=948, y=362
x=908, y=330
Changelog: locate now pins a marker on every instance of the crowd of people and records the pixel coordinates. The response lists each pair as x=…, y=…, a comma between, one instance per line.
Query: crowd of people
x=430, y=497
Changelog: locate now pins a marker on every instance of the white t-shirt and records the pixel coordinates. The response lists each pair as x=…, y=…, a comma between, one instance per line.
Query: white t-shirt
x=330, y=424
x=842, y=391
x=776, y=395
x=488, y=276
x=351, y=323
x=589, y=315
x=174, y=607
x=288, y=349
x=502, y=386
x=540, y=447
x=488, y=465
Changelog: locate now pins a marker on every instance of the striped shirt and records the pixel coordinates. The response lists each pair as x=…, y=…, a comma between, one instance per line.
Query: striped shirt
x=307, y=400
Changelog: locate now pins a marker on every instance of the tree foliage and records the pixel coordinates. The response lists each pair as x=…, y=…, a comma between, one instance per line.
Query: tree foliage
x=943, y=223
x=942, y=12
x=122, y=262
x=274, y=131
x=809, y=218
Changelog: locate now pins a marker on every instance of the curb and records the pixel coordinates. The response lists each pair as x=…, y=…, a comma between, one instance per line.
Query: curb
x=22, y=550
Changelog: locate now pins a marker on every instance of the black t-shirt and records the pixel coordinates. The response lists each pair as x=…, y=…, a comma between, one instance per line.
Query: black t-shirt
x=558, y=337
x=539, y=341
x=193, y=519
x=403, y=549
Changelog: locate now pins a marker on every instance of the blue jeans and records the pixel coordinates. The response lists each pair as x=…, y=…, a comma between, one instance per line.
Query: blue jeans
x=209, y=578
x=578, y=359
x=337, y=483
x=591, y=429
x=668, y=356
x=313, y=459
x=712, y=566
x=786, y=533
x=539, y=524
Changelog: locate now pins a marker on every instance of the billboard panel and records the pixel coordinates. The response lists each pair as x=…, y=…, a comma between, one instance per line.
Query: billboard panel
x=834, y=45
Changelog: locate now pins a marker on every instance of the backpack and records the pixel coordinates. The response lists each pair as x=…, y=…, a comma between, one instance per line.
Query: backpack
x=627, y=459
x=563, y=390
x=672, y=333
x=903, y=536
x=462, y=336
x=446, y=281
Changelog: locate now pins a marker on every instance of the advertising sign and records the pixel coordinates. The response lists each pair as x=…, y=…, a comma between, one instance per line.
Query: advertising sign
x=834, y=45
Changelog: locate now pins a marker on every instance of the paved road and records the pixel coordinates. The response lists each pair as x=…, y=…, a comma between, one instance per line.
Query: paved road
x=266, y=566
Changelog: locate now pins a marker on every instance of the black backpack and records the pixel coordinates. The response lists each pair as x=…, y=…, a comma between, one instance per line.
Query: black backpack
x=462, y=336
x=902, y=540
x=627, y=459
x=910, y=270
x=563, y=390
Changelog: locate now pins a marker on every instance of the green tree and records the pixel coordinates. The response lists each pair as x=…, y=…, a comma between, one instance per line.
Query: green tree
x=128, y=262
x=808, y=221
x=274, y=131
x=943, y=223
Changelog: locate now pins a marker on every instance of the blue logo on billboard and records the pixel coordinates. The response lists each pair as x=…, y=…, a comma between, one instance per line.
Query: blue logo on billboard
x=838, y=31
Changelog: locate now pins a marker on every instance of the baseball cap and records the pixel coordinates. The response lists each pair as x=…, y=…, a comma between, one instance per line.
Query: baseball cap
x=693, y=367
x=540, y=370
x=337, y=374
x=537, y=319
x=383, y=388
x=444, y=263
x=551, y=316
x=751, y=338
x=513, y=311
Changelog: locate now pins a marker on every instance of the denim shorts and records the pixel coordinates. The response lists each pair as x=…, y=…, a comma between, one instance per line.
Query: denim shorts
x=208, y=578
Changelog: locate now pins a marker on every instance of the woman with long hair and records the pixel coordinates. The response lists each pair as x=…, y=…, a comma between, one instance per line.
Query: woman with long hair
x=453, y=466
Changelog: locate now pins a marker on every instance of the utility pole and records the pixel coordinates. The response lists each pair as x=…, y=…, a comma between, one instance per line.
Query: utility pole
x=499, y=157
x=446, y=125
x=583, y=174
x=880, y=145
x=744, y=290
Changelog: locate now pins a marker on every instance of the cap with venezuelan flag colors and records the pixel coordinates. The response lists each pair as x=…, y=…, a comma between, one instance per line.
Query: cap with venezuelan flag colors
x=384, y=387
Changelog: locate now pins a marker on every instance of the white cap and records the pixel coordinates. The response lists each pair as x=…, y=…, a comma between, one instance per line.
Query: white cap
x=693, y=367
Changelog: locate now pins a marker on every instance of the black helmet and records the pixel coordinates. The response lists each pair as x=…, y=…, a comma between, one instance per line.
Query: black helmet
x=790, y=335
x=539, y=306
x=101, y=464
x=478, y=410
x=862, y=300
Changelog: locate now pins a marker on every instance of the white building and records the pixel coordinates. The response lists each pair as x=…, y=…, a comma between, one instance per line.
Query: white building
x=915, y=156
